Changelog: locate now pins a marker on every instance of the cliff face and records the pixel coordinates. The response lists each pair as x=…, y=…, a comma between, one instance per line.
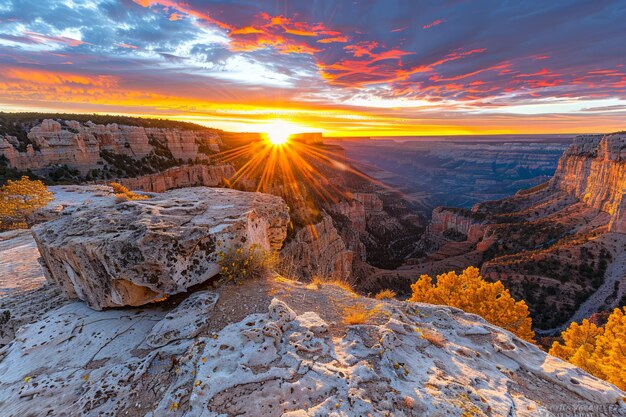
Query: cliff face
x=558, y=246
x=594, y=170
x=317, y=250
x=79, y=145
x=180, y=177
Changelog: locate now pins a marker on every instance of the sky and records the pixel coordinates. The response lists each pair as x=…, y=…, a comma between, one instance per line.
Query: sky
x=346, y=68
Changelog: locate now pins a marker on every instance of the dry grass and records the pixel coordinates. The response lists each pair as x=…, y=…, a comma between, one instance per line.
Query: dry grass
x=434, y=337
x=385, y=295
x=357, y=314
x=318, y=281
x=124, y=194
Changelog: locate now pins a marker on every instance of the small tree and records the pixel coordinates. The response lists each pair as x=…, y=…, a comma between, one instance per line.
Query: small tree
x=599, y=350
x=470, y=292
x=19, y=199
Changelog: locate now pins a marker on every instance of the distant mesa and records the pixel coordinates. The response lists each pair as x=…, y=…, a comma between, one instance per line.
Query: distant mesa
x=310, y=138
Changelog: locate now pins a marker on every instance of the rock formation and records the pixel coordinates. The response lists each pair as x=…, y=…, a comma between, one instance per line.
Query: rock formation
x=452, y=224
x=284, y=359
x=135, y=252
x=317, y=250
x=594, y=170
x=181, y=177
x=80, y=145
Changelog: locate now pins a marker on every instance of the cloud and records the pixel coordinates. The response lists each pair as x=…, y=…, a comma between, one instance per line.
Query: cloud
x=433, y=23
x=482, y=56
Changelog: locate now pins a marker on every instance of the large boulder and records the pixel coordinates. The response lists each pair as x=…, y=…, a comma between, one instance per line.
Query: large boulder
x=135, y=252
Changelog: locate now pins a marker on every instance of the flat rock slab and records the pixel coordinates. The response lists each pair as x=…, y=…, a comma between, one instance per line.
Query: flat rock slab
x=136, y=252
x=19, y=269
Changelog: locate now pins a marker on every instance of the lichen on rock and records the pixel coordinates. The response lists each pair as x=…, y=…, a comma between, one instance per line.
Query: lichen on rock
x=136, y=252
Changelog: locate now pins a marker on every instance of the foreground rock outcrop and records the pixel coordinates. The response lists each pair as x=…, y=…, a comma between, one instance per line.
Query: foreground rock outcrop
x=243, y=352
x=135, y=252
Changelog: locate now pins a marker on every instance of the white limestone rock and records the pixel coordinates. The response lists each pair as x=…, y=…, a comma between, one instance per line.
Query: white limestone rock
x=135, y=252
x=179, y=323
x=80, y=362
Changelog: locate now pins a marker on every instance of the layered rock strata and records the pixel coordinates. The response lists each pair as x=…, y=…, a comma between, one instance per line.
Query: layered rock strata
x=135, y=252
x=317, y=250
x=593, y=169
x=181, y=177
x=79, y=145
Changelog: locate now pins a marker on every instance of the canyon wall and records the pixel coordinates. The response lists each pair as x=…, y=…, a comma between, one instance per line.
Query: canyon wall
x=593, y=169
x=180, y=177
x=460, y=221
x=317, y=250
x=79, y=145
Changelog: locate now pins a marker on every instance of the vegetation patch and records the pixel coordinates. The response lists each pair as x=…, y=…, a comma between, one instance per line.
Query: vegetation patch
x=19, y=199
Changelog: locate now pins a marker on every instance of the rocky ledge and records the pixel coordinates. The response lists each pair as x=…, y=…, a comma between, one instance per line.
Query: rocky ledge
x=286, y=356
x=135, y=252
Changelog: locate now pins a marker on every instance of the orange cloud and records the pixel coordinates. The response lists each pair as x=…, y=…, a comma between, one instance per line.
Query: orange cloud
x=34, y=76
x=40, y=38
x=435, y=23
x=338, y=39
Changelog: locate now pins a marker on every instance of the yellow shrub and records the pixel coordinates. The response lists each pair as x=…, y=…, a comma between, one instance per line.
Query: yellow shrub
x=19, y=199
x=468, y=291
x=356, y=314
x=124, y=194
x=317, y=281
x=238, y=264
x=385, y=294
x=598, y=350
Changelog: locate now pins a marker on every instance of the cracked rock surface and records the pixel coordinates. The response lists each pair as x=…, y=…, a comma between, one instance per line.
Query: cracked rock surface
x=135, y=252
x=411, y=360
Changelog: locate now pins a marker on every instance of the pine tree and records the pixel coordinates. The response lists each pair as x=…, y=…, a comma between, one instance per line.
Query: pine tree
x=470, y=292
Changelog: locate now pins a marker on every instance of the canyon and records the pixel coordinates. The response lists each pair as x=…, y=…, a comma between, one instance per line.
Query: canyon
x=202, y=350
x=456, y=171
x=555, y=245
x=551, y=244
x=129, y=313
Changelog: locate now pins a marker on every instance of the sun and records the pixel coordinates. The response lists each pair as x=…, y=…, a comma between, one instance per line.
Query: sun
x=278, y=138
x=278, y=133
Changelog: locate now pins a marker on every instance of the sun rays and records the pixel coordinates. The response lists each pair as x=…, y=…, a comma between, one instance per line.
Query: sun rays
x=284, y=163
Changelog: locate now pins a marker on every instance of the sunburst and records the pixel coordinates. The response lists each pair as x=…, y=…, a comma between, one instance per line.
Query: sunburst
x=304, y=174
